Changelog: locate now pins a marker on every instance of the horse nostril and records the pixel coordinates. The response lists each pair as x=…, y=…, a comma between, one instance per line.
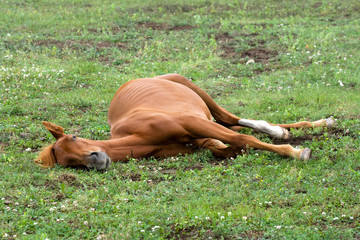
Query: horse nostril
x=95, y=154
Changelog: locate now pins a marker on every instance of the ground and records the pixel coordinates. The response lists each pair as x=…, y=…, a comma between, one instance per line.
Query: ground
x=62, y=61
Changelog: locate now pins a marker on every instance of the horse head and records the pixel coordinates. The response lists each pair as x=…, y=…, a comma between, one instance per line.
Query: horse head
x=72, y=151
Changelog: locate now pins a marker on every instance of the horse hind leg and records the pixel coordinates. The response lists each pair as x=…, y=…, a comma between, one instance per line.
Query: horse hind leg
x=202, y=128
x=227, y=119
x=281, y=131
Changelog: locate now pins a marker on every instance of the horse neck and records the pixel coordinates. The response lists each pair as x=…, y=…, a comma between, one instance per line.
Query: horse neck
x=116, y=149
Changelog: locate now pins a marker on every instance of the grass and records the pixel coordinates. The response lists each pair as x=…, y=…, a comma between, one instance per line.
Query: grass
x=62, y=61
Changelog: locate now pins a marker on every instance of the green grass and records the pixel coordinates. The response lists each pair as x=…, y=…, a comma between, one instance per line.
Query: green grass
x=62, y=61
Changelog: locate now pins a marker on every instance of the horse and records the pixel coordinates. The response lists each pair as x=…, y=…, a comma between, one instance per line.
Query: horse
x=166, y=116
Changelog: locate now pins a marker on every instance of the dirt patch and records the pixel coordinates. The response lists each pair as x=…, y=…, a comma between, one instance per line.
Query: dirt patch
x=153, y=25
x=317, y=5
x=3, y=145
x=164, y=26
x=50, y=185
x=300, y=191
x=105, y=44
x=168, y=8
x=259, y=54
x=334, y=133
x=191, y=232
x=79, y=44
x=155, y=174
x=105, y=59
x=59, y=196
x=67, y=178
x=224, y=38
x=228, y=44
x=210, y=8
x=249, y=234
x=181, y=28
x=135, y=177
x=149, y=177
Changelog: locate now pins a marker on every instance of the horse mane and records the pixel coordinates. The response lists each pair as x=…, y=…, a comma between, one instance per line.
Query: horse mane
x=46, y=157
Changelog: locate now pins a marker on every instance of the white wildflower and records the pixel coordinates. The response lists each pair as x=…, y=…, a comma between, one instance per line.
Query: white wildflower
x=154, y=228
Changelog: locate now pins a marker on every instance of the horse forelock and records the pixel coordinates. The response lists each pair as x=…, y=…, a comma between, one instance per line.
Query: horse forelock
x=46, y=157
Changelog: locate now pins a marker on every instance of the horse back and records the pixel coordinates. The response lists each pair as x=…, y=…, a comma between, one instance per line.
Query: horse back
x=157, y=96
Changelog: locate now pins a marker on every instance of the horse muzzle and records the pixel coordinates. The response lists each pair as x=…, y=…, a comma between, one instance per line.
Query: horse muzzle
x=98, y=160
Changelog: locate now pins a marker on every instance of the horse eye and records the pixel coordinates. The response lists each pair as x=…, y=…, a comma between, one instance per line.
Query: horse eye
x=73, y=137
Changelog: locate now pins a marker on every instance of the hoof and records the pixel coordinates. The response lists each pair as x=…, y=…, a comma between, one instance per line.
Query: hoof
x=286, y=134
x=330, y=122
x=278, y=132
x=305, y=154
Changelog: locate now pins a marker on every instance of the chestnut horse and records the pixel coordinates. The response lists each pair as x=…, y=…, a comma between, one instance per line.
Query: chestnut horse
x=166, y=116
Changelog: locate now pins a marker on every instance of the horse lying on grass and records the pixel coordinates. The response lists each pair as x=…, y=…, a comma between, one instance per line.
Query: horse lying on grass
x=166, y=116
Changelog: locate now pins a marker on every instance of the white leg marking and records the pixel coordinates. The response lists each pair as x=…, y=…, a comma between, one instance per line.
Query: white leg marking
x=263, y=126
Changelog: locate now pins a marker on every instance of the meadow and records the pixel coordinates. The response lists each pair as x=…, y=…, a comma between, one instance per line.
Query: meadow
x=62, y=61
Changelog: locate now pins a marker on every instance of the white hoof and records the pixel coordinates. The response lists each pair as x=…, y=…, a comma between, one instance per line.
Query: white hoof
x=330, y=122
x=305, y=154
x=286, y=134
x=264, y=127
x=278, y=132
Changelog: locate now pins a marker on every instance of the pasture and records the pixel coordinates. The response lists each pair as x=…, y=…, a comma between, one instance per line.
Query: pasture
x=62, y=61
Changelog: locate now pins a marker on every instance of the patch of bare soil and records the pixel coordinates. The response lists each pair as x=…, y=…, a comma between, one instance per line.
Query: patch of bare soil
x=334, y=133
x=3, y=145
x=317, y=5
x=154, y=25
x=177, y=8
x=259, y=53
x=157, y=174
x=67, y=178
x=298, y=140
x=190, y=232
x=164, y=26
x=193, y=232
x=79, y=44
x=135, y=177
x=250, y=234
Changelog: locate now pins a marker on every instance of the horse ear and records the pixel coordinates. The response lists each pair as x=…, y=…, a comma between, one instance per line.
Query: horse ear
x=55, y=130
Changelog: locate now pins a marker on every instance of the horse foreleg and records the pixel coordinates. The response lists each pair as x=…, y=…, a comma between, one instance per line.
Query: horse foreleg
x=218, y=148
